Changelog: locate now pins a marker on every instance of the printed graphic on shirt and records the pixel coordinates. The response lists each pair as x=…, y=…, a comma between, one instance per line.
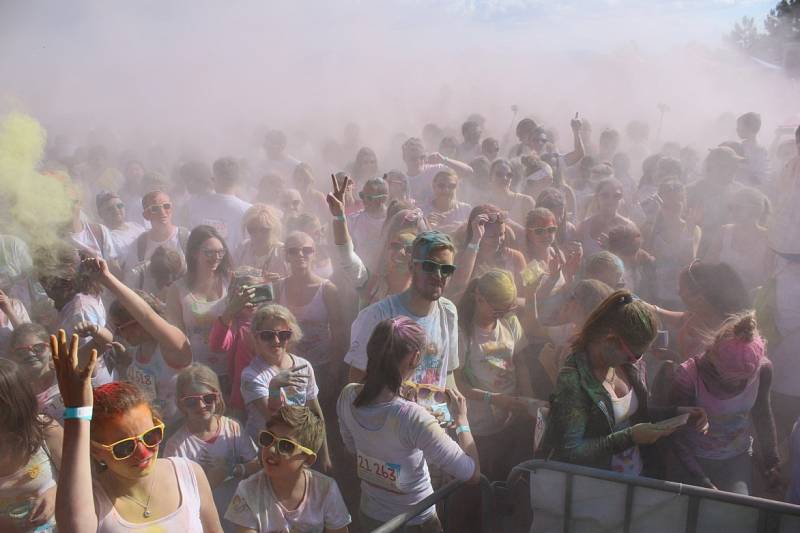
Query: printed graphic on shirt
x=498, y=359
x=430, y=367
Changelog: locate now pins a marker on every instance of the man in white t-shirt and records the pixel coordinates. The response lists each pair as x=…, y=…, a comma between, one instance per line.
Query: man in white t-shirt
x=157, y=209
x=431, y=266
x=421, y=169
x=90, y=237
x=365, y=226
x=112, y=212
x=196, y=177
x=222, y=210
x=278, y=161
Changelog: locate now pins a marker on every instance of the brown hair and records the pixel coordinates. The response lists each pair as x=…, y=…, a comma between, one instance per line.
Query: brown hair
x=391, y=341
x=20, y=422
x=629, y=318
x=307, y=428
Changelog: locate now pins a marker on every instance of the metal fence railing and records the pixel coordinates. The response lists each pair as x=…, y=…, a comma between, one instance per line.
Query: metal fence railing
x=566, y=498
x=398, y=523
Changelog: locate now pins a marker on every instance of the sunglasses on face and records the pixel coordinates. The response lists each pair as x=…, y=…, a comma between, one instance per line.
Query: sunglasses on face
x=305, y=250
x=269, y=335
x=283, y=446
x=198, y=399
x=118, y=205
x=258, y=230
x=213, y=254
x=552, y=230
x=372, y=197
x=122, y=449
x=37, y=349
x=431, y=267
x=155, y=208
x=396, y=246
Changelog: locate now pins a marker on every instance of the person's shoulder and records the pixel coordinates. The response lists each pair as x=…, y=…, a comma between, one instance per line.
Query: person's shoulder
x=447, y=305
x=321, y=482
x=299, y=361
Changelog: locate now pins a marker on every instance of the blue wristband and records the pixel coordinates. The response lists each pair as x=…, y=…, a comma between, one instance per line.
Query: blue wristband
x=339, y=217
x=473, y=246
x=463, y=429
x=82, y=413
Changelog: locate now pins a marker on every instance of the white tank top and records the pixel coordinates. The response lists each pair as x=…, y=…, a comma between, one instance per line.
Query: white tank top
x=313, y=319
x=30, y=481
x=186, y=518
x=198, y=317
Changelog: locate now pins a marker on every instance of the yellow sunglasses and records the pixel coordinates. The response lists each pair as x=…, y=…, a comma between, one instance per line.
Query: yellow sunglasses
x=285, y=447
x=122, y=449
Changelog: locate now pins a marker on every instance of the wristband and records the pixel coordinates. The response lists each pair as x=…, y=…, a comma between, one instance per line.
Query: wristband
x=339, y=217
x=82, y=413
x=473, y=246
x=463, y=429
x=487, y=397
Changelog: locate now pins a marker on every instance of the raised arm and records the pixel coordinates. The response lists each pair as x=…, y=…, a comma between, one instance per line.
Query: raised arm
x=75, y=510
x=578, y=150
x=173, y=342
x=466, y=257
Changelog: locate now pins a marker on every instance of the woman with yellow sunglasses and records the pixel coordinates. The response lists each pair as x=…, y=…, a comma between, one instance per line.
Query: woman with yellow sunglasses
x=111, y=478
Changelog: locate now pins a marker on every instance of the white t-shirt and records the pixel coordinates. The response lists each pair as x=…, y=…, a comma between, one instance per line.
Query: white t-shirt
x=86, y=308
x=393, y=442
x=255, y=506
x=420, y=187
x=131, y=256
x=156, y=379
x=489, y=365
x=283, y=167
x=126, y=236
x=255, y=385
x=441, y=328
x=229, y=444
x=222, y=212
x=97, y=240
x=365, y=230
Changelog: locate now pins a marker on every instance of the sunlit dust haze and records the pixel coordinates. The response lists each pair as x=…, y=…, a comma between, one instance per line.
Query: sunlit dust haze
x=208, y=77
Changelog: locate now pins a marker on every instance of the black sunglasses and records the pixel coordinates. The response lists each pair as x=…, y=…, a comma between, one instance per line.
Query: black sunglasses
x=431, y=267
x=267, y=335
x=206, y=399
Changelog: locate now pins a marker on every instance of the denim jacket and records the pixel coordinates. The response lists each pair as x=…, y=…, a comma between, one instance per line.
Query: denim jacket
x=581, y=425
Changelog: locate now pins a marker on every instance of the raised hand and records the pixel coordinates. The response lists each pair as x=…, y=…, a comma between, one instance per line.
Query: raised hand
x=86, y=329
x=576, y=123
x=458, y=407
x=291, y=377
x=5, y=302
x=75, y=384
x=336, y=199
x=479, y=227
x=97, y=268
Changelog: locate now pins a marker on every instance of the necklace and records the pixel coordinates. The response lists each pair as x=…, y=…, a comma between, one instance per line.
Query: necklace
x=146, y=506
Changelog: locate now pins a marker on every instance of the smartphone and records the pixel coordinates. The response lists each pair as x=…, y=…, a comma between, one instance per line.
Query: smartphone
x=662, y=340
x=262, y=293
x=445, y=418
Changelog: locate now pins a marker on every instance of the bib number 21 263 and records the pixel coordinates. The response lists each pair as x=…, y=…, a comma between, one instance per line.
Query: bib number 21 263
x=380, y=473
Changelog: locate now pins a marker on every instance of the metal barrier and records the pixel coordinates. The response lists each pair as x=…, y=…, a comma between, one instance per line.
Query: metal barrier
x=566, y=498
x=398, y=523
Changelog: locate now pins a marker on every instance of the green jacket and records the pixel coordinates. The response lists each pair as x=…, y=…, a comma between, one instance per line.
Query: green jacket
x=580, y=426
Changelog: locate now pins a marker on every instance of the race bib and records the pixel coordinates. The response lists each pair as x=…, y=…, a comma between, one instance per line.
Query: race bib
x=379, y=473
x=144, y=380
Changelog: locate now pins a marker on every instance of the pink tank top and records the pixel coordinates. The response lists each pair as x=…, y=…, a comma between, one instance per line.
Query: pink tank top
x=186, y=518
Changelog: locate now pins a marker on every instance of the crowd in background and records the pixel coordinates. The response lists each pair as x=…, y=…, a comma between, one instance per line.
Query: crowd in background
x=253, y=344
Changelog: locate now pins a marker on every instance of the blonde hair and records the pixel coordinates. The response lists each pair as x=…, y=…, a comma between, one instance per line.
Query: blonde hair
x=307, y=428
x=268, y=312
x=200, y=374
x=268, y=216
x=496, y=286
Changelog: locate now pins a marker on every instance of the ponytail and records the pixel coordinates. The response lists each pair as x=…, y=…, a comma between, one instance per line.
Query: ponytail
x=392, y=341
x=629, y=318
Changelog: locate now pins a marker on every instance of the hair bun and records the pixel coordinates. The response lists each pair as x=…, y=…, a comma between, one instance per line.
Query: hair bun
x=625, y=298
x=745, y=328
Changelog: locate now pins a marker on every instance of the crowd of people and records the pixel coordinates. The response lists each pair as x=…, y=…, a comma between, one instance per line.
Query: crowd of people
x=241, y=345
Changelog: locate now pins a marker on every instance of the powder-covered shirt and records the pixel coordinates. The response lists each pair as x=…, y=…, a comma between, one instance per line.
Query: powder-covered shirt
x=229, y=444
x=441, y=329
x=393, y=443
x=255, y=385
x=255, y=506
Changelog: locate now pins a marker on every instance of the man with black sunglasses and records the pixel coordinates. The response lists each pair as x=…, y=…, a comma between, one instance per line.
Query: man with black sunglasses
x=431, y=267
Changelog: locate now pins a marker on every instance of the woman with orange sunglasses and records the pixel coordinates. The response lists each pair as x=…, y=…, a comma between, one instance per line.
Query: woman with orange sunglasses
x=111, y=478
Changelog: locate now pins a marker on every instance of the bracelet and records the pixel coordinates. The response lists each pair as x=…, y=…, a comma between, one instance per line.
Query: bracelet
x=487, y=397
x=473, y=246
x=463, y=429
x=339, y=217
x=82, y=413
